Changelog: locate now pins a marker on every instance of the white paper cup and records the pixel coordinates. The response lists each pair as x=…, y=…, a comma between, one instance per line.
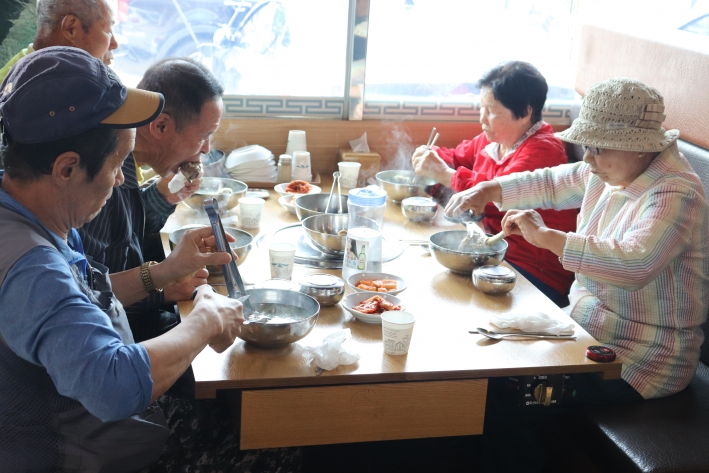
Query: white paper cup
x=301, y=166
x=397, y=327
x=349, y=172
x=250, y=210
x=296, y=142
x=282, y=258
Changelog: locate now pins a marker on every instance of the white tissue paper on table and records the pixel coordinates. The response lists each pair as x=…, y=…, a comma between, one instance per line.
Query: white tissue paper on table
x=331, y=353
x=360, y=144
x=536, y=322
x=177, y=183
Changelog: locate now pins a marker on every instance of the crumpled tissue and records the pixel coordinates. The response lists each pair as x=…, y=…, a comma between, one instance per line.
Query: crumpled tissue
x=360, y=144
x=331, y=353
x=177, y=183
x=537, y=322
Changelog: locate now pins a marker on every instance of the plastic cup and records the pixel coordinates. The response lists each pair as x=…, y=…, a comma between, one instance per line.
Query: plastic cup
x=251, y=209
x=282, y=258
x=301, y=166
x=296, y=142
x=349, y=172
x=397, y=328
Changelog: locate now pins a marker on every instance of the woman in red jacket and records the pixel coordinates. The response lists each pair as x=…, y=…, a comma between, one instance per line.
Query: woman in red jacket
x=514, y=139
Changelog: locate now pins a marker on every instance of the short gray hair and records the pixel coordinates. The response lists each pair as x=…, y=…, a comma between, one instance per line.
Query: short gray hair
x=51, y=12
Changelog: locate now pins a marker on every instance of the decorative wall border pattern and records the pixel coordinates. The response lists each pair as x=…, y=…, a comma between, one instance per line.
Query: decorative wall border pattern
x=555, y=112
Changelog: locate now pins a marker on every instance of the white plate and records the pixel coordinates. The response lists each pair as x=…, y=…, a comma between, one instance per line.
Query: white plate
x=280, y=188
x=254, y=165
x=286, y=202
x=355, y=278
x=352, y=300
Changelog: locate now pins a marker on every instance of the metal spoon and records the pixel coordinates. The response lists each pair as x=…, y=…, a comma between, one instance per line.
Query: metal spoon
x=500, y=336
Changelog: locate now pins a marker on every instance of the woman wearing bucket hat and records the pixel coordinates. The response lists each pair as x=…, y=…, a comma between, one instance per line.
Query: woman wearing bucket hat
x=639, y=251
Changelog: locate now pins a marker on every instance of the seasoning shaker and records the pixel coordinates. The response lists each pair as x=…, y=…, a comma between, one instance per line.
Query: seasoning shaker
x=285, y=163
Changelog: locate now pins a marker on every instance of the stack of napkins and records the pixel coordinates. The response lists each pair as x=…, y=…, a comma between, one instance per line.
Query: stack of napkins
x=252, y=163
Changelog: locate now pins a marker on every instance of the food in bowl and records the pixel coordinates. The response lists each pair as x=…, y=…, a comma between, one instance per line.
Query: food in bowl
x=375, y=305
x=298, y=187
x=377, y=285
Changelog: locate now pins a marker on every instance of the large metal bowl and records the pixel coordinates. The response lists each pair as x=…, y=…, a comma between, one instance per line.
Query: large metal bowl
x=402, y=184
x=215, y=187
x=444, y=247
x=322, y=230
x=241, y=246
x=272, y=335
x=314, y=204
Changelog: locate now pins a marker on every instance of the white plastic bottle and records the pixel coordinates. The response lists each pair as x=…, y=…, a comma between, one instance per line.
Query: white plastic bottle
x=363, y=250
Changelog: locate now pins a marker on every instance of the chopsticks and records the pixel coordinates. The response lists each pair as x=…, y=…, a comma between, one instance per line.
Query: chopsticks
x=428, y=143
x=434, y=140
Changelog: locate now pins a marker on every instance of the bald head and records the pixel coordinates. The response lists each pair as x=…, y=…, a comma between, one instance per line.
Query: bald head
x=84, y=24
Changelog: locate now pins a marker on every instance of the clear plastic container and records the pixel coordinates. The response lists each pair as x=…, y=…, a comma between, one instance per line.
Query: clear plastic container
x=363, y=249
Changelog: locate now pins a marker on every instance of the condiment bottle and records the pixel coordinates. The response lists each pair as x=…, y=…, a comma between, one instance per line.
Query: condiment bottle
x=363, y=248
x=284, y=168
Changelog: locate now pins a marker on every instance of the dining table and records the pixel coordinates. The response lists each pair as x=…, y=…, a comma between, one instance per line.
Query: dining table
x=279, y=398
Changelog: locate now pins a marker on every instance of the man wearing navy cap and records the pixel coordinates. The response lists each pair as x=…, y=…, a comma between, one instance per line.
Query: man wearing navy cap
x=77, y=393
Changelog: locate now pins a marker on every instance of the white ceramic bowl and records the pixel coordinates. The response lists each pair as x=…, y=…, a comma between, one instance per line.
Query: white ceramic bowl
x=287, y=202
x=355, y=278
x=281, y=189
x=247, y=154
x=352, y=300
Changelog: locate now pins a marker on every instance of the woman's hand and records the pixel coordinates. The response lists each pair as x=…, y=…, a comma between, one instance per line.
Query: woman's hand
x=427, y=163
x=475, y=199
x=530, y=225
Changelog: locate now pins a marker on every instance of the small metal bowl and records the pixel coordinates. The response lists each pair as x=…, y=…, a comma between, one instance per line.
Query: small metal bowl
x=273, y=335
x=241, y=246
x=494, y=279
x=402, y=184
x=419, y=209
x=325, y=288
x=322, y=230
x=314, y=204
x=214, y=187
x=444, y=247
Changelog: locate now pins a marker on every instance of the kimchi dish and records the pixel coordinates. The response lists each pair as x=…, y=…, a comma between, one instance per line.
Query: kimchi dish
x=375, y=305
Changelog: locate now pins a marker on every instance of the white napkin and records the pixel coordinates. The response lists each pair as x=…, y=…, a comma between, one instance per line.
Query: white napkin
x=331, y=353
x=177, y=183
x=537, y=322
x=360, y=144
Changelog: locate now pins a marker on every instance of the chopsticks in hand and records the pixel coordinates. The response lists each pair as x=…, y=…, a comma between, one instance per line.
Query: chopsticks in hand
x=428, y=143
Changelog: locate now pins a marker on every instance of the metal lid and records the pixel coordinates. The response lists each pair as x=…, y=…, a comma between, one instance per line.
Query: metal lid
x=495, y=274
x=367, y=196
x=322, y=281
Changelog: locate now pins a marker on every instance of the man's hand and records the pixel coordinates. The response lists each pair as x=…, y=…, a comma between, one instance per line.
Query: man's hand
x=182, y=291
x=225, y=316
x=427, y=163
x=189, y=189
x=475, y=199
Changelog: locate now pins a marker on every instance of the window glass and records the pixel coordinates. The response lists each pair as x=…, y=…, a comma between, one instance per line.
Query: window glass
x=438, y=49
x=286, y=47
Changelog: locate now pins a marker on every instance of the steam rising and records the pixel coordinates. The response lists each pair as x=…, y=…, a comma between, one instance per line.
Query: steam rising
x=400, y=148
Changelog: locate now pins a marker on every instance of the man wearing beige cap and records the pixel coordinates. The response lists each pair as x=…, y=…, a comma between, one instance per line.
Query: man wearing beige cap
x=77, y=394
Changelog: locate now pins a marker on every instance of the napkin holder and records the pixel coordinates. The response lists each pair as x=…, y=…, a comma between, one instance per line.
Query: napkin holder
x=369, y=162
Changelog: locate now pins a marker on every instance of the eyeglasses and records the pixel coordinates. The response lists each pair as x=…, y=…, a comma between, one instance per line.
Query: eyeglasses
x=592, y=149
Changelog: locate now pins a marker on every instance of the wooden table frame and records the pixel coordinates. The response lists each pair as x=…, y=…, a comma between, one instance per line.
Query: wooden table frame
x=437, y=389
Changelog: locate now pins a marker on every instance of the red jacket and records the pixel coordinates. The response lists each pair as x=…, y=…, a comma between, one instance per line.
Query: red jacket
x=473, y=164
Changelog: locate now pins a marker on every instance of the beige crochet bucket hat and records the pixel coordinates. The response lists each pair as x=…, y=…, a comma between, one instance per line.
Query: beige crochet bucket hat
x=621, y=114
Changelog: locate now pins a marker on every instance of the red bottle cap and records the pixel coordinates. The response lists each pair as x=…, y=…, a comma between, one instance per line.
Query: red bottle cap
x=599, y=353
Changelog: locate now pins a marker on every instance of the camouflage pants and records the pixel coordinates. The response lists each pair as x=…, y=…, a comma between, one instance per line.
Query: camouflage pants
x=203, y=439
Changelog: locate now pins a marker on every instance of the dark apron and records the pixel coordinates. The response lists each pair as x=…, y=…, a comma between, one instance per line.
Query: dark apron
x=91, y=445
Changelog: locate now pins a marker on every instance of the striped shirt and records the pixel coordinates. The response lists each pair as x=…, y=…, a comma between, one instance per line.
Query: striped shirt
x=641, y=258
x=115, y=237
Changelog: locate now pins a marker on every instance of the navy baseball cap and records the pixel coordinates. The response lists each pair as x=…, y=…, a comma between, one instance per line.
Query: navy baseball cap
x=61, y=91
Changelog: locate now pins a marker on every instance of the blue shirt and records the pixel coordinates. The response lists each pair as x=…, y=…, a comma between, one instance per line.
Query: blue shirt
x=46, y=320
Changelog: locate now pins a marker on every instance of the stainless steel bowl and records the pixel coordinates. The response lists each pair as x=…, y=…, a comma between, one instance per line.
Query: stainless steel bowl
x=402, y=184
x=494, y=279
x=444, y=247
x=241, y=246
x=327, y=289
x=322, y=230
x=272, y=335
x=419, y=209
x=314, y=204
x=226, y=191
